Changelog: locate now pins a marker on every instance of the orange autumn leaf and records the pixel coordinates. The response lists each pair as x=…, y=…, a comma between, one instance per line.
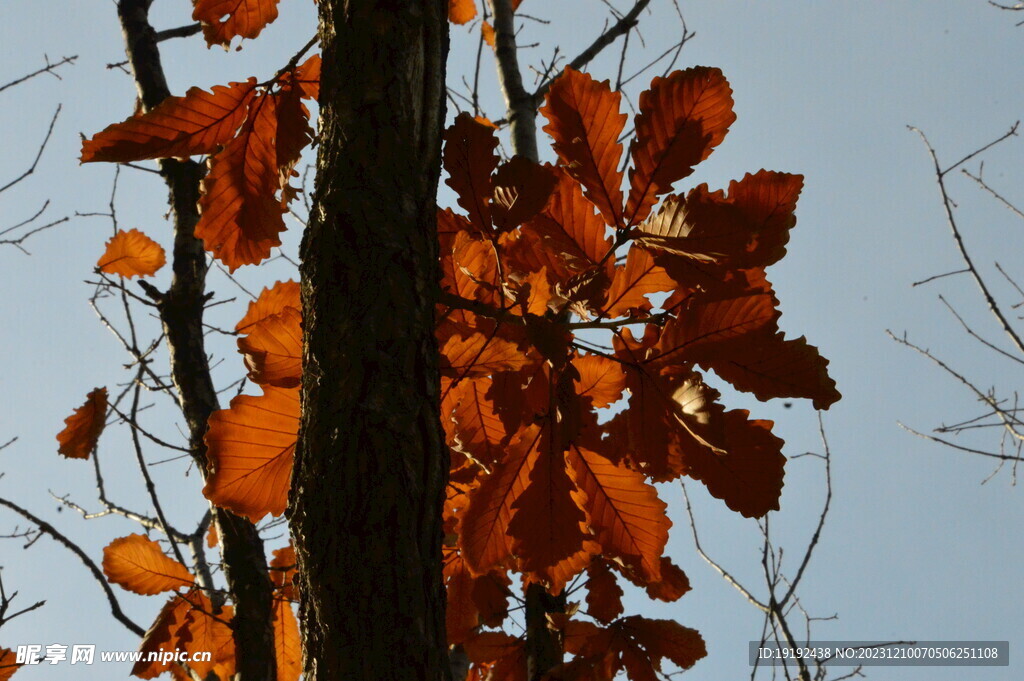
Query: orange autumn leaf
x=487, y=31
x=475, y=427
x=682, y=118
x=548, y=530
x=307, y=76
x=240, y=218
x=623, y=511
x=283, y=569
x=604, y=595
x=747, y=228
x=569, y=227
x=483, y=536
x=672, y=585
x=206, y=631
x=271, y=301
x=585, y=121
x=7, y=664
x=138, y=564
x=132, y=254
x=82, y=429
x=768, y=365
x=287, y=646
x=461, y=11
x=250, y=449
x=226, y=19
x=273, y=349
x=198, y=123
x=480, y=355
x=521, y=190
x=600, y=378
x=162, y=636
x=634, y=281
x=469, y=160
x=646, y=642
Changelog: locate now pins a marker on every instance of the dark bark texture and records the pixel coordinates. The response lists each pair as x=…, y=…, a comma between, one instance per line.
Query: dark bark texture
x=181, y=311
x=371, y=465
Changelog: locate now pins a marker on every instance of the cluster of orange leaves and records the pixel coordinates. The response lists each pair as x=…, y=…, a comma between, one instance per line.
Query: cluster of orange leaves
x=540, y=484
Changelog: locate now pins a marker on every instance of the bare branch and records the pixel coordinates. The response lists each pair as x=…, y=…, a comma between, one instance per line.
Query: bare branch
x=49, y=68
x=47, y=528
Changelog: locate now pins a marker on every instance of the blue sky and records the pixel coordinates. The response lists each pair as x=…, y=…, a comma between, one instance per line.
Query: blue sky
x=916, y=547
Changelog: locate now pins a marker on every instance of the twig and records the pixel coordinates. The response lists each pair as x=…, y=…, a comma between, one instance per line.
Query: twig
x=47, y=528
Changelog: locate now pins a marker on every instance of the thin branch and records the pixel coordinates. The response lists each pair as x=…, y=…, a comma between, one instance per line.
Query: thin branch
x=49, y=68
x=622, y=27
x=951, y=220
x=47, y=528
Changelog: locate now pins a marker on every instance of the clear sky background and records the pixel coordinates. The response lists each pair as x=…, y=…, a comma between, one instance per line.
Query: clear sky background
x=915, y=548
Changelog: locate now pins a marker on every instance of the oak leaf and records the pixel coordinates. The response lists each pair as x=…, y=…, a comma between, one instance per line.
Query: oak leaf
x=747, y=228
x=162, y=636
x=623, y=511
x=179, y=127
x=632, y=282
x=283, y=570
x=601, y=379
x=682, y=118
x=585, y=121
x=138, y=564
x=240, y=218
x=82, y=429
x=250, y=447
x=205, y=630
x=604, y=595
x=469, y=159
x=132, y=254
x=287, y=645
x=521, y=190
x=479, y=355
x=226, y=19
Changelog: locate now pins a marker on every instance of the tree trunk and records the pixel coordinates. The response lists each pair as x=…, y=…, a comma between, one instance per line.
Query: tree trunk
x=371, y=465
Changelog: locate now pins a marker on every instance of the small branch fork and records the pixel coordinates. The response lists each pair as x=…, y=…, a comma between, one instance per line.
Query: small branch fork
x=1000, y=413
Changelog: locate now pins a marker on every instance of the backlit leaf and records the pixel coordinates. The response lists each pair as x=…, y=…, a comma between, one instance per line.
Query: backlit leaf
x=287, y=646
x=568, y=226
x=162, y=636
x=283, y=570
x=484, y=536
x=548, y=529
x=768, y=365
x=585, y=122
x=273, y=349
x=225, y=19
x=682, y=118
x=662, y=639
x=623, y=511
x=747, y=228
x=82, y=429
x=7, y=664
x=240, y=218
x=271, y=301
x=477, y=430
x=132, y=254
x=600, y=378
x=604, y=595
x=480, y=355
x=198, y=123
x=461, y=11
x=138, y=564
x=250, y=451
x=206, y=631
x=634, y=281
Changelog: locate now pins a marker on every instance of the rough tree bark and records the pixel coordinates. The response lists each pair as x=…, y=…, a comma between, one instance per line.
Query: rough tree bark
x=181, y=311
x=371, y=465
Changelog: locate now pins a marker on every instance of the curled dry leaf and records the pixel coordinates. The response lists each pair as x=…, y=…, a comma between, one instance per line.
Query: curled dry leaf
x=132, y=254
x=138, y=564
x=82, y=429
